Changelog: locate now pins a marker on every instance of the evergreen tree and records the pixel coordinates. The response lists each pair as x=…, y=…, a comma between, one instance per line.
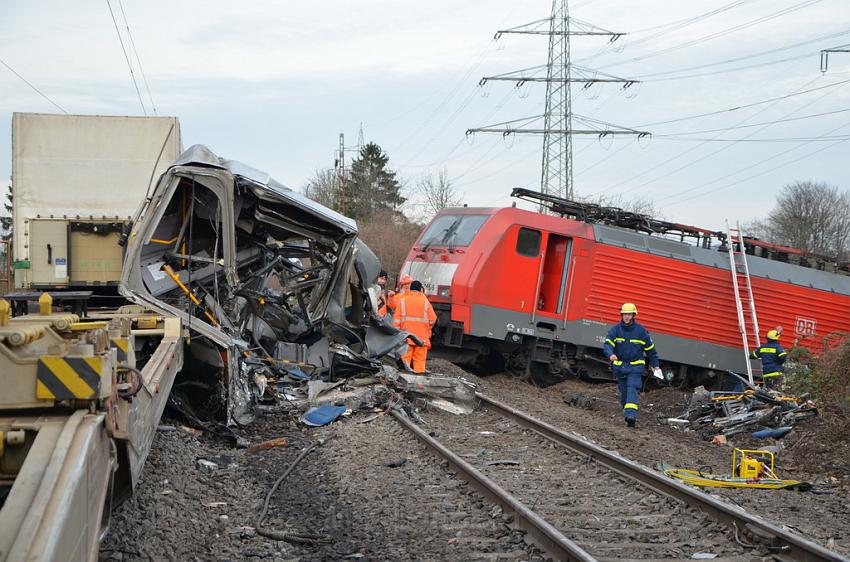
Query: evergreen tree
x=6, y=219
x=371, y=187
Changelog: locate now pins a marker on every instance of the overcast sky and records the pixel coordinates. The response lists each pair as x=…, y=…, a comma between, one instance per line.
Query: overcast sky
x=274, y=83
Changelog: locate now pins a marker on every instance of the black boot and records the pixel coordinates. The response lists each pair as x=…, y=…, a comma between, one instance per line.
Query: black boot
x=630, y=422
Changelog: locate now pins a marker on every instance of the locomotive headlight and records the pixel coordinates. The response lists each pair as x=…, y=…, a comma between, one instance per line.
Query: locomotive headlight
x=444, y=292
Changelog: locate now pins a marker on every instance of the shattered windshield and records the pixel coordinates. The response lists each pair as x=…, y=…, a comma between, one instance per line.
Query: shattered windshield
x=452, y=230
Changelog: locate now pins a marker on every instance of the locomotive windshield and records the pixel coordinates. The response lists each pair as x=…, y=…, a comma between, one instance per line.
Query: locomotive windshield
x=452, y=230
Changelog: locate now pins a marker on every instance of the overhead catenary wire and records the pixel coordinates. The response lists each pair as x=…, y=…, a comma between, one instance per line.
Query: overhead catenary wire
x=774, y=139
x=715, y=35
x=464, y=79
x=36, y=90
x=759, y=174
x=667, y=161
x=127, y=58
x=764, y=123
x=136, y=53
x=750, y=135
x=667, y=28
x=743, y=106
x=759, y=163
x=816, y=40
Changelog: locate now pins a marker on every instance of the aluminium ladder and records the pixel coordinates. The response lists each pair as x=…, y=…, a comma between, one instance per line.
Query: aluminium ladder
x=741, y=276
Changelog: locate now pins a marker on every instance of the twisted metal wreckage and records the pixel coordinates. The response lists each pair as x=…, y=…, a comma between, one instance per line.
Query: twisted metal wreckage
x=267, y=281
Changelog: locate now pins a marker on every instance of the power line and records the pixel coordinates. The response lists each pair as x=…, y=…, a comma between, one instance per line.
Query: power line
x=126, y=58
x=717, y=34
x=750, y=135
x=688, y=151
x=745, y=106
x=28, y=83
x=782, y=165
x=779, y=139
x=136, y=52
x=648, y=77
x=764, y=123
x=669, y=27
x=482, y=55
x=759, y=163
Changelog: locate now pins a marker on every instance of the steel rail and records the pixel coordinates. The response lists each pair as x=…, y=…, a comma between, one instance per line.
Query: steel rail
x=539, y=532
x=785, y=545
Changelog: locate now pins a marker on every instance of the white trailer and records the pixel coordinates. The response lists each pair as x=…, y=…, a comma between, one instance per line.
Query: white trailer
x=77, y=180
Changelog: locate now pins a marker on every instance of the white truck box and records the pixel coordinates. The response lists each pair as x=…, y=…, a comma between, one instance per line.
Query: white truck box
x=76, y=179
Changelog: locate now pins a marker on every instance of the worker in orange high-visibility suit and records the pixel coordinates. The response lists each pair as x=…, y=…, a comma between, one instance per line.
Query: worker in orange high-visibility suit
x=417, y=316
x=392, y=302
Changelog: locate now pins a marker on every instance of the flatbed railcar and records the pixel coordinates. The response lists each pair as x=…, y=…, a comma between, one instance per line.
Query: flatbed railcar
x=534, y=293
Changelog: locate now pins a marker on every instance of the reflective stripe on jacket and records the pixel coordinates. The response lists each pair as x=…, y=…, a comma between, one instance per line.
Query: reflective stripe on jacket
x=772, y=357
x=631, y=344
x=415, y=314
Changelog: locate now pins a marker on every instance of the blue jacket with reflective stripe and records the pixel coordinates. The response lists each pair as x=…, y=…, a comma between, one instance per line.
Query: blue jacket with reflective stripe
x=630, y=343
x=772, y=357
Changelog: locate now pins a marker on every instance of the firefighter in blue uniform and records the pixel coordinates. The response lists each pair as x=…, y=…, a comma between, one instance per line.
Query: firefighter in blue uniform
x=629, y=347
x=772, y=357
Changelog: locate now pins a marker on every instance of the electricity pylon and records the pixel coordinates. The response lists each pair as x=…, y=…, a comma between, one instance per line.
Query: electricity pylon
x=558, y=119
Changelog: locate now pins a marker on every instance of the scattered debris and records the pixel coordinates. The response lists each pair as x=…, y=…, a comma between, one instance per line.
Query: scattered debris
x=396, y=463
x=580, y=401
x=207, y=465
x=703, y=556
x=270, y=444
x=719, y=440
x=322, y=415
x=501, y=462
x=166, y=428
x=762, y=412
x=678, y=423
x=191, y=430
x=775, y=433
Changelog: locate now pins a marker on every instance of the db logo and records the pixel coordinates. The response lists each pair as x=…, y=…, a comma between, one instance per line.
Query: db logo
x=805, y=326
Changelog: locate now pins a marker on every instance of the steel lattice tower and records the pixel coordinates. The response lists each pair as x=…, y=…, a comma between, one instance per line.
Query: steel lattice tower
x=558, y=119
x=557, y=173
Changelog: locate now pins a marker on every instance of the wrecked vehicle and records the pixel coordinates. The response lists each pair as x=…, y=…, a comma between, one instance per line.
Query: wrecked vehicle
x=267, y=282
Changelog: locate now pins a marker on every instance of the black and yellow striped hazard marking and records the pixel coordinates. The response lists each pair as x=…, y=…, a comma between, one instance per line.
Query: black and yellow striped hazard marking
x=66, y=378
x=123, y=347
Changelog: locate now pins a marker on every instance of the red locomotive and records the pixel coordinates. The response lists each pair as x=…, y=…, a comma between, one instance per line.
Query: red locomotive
x=533, y=293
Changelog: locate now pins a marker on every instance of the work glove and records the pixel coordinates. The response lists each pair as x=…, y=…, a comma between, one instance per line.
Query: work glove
x=656, y=372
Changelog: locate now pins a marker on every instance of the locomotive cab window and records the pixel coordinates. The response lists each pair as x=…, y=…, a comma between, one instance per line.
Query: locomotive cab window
x=452, y=230
x=528, y=242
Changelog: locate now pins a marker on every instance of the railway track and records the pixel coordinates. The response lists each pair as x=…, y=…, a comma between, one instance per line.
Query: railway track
x=578, y=501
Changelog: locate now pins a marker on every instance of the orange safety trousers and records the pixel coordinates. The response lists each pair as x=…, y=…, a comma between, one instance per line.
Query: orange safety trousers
x=415, y=357
x=415, y=314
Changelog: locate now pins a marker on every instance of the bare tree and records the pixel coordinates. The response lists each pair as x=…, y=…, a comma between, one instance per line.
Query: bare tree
x=811, y=216
x=323, y=188
x=390, y=235
x=438, y=192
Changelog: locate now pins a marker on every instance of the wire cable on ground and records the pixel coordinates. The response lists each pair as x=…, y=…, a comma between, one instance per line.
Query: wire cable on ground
x=296, y=537
x=28, y=83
